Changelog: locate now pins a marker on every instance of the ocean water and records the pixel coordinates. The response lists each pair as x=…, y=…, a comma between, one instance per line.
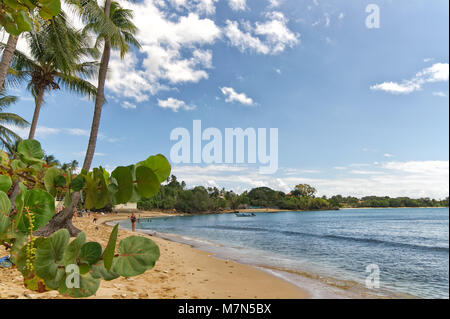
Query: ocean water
x=328, y=251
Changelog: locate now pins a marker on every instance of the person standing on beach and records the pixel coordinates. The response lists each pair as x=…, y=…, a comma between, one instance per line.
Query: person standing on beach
x=133, y=221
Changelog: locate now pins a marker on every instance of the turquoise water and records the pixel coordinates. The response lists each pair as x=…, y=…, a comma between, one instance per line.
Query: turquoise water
x=410, y=246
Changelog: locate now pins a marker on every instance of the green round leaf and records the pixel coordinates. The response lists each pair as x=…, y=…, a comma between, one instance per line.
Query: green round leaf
x=23, y=21
x=136, y=255
x=30, y=149
x=52, y=7
x=88, y=287
x=77, y=183
x=72, y=251
x=41, y=204
x=49, y=179
x=147, y=183
x=5, y=183
x=5, y=209
x=49, y=255
x=124, y=180
x=160, y=166
x=99, y=271
x=90, y=253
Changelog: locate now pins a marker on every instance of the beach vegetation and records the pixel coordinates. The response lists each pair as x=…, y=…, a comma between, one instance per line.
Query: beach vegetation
x=28, y=188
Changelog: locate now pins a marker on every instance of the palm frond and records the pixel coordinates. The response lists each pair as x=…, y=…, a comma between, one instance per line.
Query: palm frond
x=76, y=85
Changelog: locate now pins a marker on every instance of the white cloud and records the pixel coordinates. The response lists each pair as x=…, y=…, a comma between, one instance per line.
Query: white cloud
x=233, y=96
x=341, y=16
x=172, y=48
x=128, y=105
x=388, y=155
x=269, y=37
x=41, y=131
x=414, y=179
x=237, y=5
x=440, y=94
x=420, y=167
x=199, y=6
x=78, y=132
x=174, y=104
x=438, y=72
x=244, y=40
x=274, y=3
x=277, y=32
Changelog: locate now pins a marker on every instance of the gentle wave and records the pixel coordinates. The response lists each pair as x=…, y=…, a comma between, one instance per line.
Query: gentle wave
x=344, y=238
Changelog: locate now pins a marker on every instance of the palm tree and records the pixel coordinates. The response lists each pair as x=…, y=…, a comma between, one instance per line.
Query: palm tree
x=7, y=56
x=73, y=166
x=7, y=136
x=120, y=37
x=51, y=160
x=56, y=50
x=114, y=29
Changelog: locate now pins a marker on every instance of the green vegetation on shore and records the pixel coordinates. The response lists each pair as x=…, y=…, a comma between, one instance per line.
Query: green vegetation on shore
x=175, y=195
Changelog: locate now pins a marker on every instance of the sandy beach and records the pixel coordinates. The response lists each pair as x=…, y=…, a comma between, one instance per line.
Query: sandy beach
x=181, y=272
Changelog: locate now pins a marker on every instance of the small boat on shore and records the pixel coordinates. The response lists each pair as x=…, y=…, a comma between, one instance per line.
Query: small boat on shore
x=238, y=214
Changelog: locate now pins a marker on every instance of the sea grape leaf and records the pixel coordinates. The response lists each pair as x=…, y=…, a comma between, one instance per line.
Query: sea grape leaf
x=23, y=21
x=5, y=209
x=5, y=183
x=49, y=255
x=72, y=251
x=49, y=179
x=99, y=271
x=136, y=255
x=52, y=7
x=97, y=195
x=124, y=180
x=77, y=183
x=108, y=254
x=160, y=166
x=88, y=287
x=41, y=204
x=147, y=183
x=90, y=253
x=31, y=149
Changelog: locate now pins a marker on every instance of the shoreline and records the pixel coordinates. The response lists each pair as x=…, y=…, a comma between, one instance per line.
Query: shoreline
x=313, y=285
x=182, y=272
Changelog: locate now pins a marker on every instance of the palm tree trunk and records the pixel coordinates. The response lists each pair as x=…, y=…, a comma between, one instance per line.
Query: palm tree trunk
x=64, y=218
x=38, y=103
x=7, y=56
x=99, y=98
x=98, y=106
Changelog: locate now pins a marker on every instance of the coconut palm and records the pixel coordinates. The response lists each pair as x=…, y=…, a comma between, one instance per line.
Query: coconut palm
x=8, y=136
x=51, y=160
x=73, y=166
x=120, y=37
x=56, y=50
x=114, y=29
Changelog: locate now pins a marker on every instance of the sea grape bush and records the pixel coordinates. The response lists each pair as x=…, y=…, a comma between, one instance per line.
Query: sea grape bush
x=18, y=16
x=28, y=187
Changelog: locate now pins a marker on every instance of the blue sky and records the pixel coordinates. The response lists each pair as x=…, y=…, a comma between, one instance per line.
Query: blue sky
x=359, y=111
